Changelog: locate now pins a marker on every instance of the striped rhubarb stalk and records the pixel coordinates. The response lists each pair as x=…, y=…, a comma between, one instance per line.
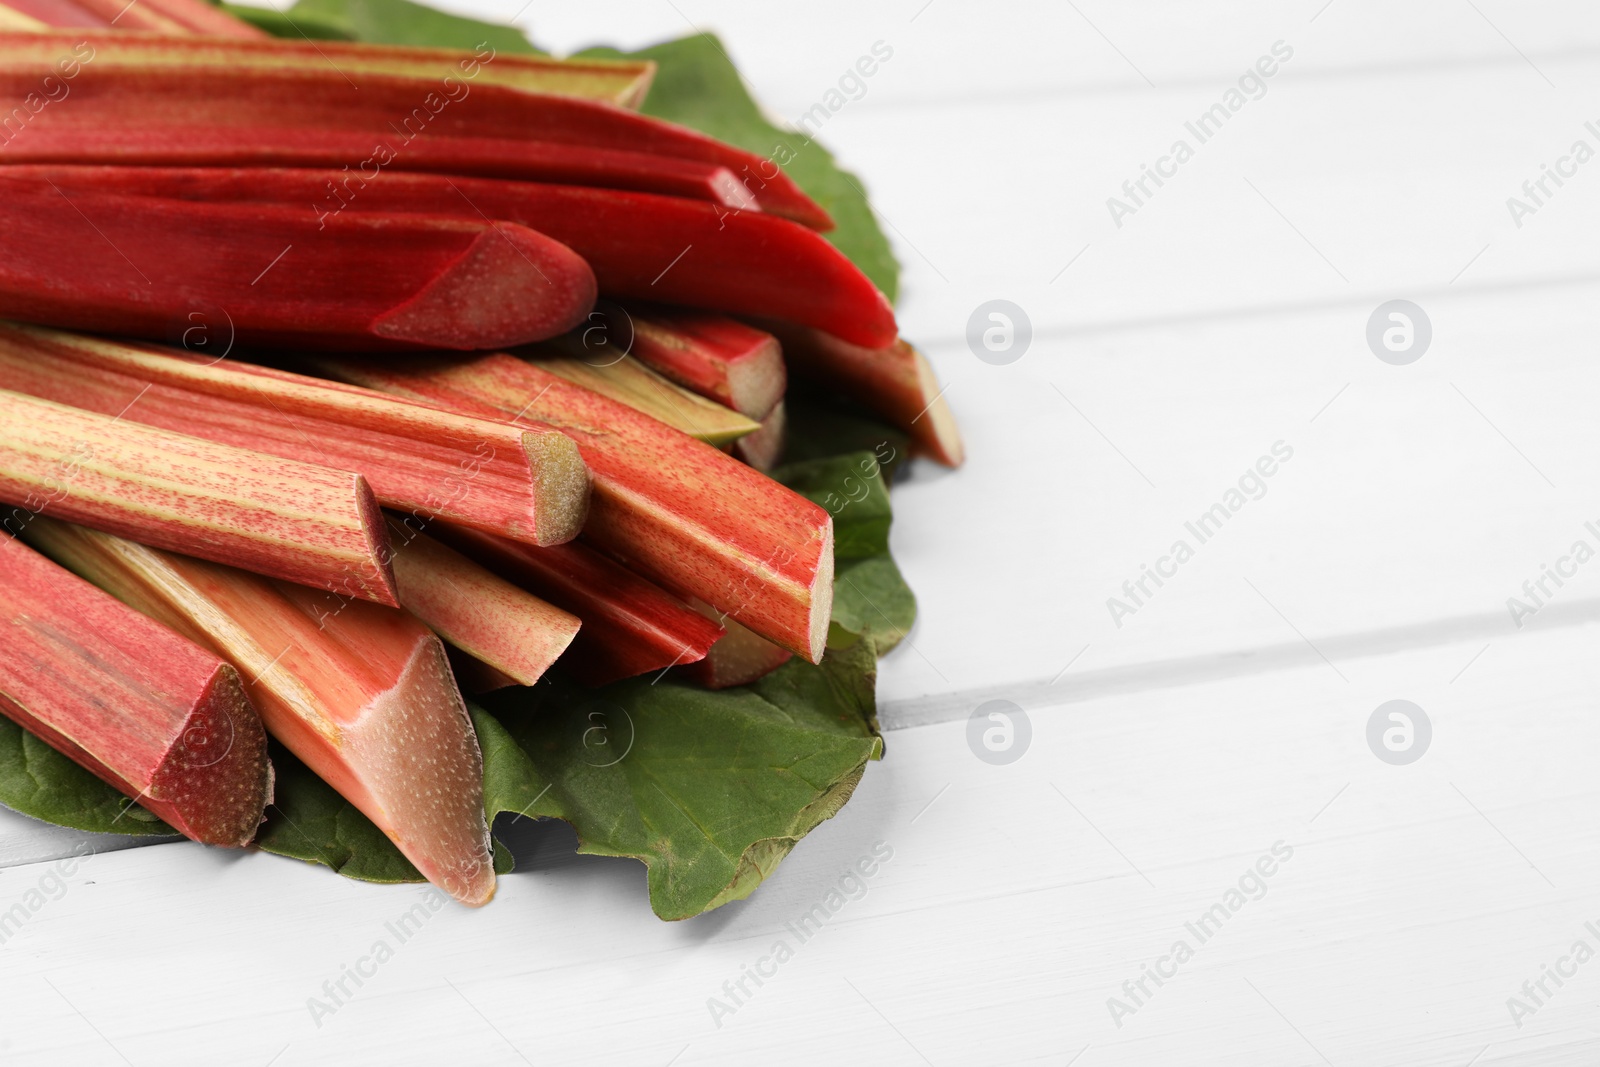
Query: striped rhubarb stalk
x=895, y=382
x=308, y=524
x=145, y=710
x=362, y=694
x=527, y=483
x=151, y=16
x=278, y=274
x=630, y=626
x=476, y=611
x=619, y=82
x=675, y=509
x=177, y=115
x=632, y=383
x=639, y=245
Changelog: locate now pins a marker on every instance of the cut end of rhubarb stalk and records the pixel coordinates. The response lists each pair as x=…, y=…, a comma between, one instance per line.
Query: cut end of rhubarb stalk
x=209, y=786
x=941, y=439
x=512, y=286
x=822, y=596
x=562, y=487
x=423, y=768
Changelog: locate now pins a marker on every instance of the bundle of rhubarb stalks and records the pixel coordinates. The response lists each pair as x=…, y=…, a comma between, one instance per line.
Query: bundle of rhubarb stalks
x=343, y=384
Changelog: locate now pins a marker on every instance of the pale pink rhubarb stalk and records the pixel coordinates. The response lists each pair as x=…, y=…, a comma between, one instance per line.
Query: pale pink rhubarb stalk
x=308, y=524
x=528, y=483
x=682, y=513
x=897, y=383
x=630, y=627
x=480, y=613
x=145, y=710
x=363, y=694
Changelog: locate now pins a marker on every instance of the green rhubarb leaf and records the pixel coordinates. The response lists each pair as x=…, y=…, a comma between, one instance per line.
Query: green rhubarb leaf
x=41, y=783
x=697, y=85
x=309, y=821
x=870, y=597
x=297, y=25
x=710, y=790
x=389, y=22
x=823, y=427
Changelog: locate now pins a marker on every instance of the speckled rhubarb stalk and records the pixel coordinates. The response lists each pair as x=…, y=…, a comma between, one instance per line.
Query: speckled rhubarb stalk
x=146, y=710
x=278, y=274
x=527, y=483
x=675, y=509
x=362, y=694
x=621, y=82
x=643, y=246
x=308, y=524
x=895, y=382
x=477, y=611
x=630, y=626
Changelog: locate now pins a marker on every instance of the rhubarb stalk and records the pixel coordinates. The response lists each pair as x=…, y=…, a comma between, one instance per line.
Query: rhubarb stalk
x=362, y=694
x=642, y=246
x=308, y=524
x=632, y=383
x=764, y=448
x=478, y=612
x=719, y=358
x=145, y=710
x=175, y=115
x=278, y=274
x=677, y=510
x=630, y=626
x=738, y=658
x=527, y=483
x=620, y=82
x=896, y=382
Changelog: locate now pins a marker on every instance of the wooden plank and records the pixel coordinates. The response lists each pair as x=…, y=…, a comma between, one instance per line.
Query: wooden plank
x=1017, y=900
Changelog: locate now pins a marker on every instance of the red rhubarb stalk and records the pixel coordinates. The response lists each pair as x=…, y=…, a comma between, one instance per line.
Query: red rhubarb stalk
x=176, y=114
x=528, y=483
x=145, y=710
x=721, y=359
x=630, y=626
x=362, y=694
x=478, y=612
x=677, y=510
x=351, y=282
x=896, y=382
x=308, y=524
x=640, y=246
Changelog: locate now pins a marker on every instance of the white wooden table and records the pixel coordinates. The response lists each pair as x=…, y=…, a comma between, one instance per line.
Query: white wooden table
x=1226, y=716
